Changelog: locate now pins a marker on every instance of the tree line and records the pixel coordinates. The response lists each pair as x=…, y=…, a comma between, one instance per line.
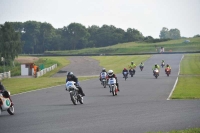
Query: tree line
x=39, y=37
x=32, y=37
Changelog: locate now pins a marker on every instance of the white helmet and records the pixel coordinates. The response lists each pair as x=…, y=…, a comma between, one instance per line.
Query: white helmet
x=110, y=73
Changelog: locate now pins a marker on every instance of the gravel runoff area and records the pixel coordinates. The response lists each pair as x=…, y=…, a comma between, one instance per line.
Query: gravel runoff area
x=80, y=66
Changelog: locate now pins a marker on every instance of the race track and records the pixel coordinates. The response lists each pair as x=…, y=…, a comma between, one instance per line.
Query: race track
x=141, y=106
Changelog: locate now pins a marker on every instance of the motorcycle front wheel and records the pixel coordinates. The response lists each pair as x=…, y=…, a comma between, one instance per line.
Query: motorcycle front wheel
x=74, y=101
x=81, y=100
x=11, y=110
x=113, y=91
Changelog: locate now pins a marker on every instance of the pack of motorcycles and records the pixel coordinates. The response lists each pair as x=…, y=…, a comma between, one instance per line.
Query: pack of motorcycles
x=5, y=103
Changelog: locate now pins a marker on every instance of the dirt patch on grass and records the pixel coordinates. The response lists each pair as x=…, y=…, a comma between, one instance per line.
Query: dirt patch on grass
x=26, y=59
x=81, y=66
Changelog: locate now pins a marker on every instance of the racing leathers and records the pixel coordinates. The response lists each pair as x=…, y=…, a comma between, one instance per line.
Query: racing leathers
x=114, y=76
x=132, y=66
x=75, y=79
x=124, y=70
x=154, y=67
x=5, y=93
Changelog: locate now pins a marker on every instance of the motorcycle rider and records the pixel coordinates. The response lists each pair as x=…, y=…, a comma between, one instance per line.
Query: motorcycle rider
x=112, y=75
x=156, y=66
x=103, y=70
x=132, y=66
x=5, y=93
x=168, y=66
x=72, y=77
x=124, y=70
x=162, y=62
x=141, y=64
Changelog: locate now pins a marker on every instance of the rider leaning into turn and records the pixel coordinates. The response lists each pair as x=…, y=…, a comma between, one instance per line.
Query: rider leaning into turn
x=132, y=66
x=103, y=70
x=72, y=77
x=112, y=75
x=5, y=92
x=124, y=70
x=168, y=66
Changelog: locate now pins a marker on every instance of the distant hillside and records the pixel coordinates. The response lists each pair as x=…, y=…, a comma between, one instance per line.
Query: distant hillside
x=138, y=47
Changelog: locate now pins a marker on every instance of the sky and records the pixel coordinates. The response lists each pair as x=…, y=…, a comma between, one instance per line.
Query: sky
x=147, y=16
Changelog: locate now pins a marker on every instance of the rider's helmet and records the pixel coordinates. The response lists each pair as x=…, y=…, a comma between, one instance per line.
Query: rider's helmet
x=132, y=62
x=70, y=75
x=156, y=64
x=167, y=65
x=103, y=70
x=110, y=73
x=124, y=68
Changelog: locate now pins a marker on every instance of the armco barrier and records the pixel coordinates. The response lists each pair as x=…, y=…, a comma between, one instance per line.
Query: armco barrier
x=5, y=75
x=45, y=70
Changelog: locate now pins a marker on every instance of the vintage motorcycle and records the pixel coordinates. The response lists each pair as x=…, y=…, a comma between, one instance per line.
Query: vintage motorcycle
x=141, y=68
x=163, y=64
x=125, y=74
x=156, y=72
x=131, y=71
x=5, y=104
x=112, y=86
x=103, y=79
x=167, y=70
x=73, y=91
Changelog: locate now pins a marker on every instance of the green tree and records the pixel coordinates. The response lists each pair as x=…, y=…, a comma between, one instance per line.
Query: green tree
x=10, y=42
x=78, y=35
x=133, y=35
x=164, y=33
x=174, y=34
x=31, y=37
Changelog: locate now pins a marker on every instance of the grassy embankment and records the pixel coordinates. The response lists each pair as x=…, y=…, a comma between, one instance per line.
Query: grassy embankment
x=117, y=63
x=188, y=86
x=192, y=130
x=138, y=47
x=18, y=85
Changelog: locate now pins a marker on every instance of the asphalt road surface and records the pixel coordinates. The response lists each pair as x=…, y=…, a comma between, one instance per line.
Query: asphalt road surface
x=139, y=107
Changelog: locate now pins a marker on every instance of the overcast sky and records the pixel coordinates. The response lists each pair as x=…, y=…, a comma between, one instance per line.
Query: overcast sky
x=147, y=16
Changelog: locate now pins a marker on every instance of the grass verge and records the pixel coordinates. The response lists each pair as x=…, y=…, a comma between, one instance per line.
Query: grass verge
x=117, y=63
x=192, y=130
x=19, y=85
x=138, y=47
x=189, y=78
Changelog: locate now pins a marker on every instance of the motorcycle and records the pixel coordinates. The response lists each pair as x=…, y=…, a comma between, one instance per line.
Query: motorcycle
x=167, y=70
x=162, y=64
x=141, y=68
x=73, y=91
x=5, y=104
x=103, y=79
x=125, y=75
x=112, y=86
x=131, y=71
x=156, y=72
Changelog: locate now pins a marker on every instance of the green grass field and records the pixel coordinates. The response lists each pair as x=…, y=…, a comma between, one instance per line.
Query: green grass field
x=192, y=130
x=19, y=85
x=188, y=86
x=138, y=47
x=117, y=63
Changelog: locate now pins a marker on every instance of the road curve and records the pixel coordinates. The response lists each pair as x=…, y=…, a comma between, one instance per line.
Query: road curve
x=141, y=106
